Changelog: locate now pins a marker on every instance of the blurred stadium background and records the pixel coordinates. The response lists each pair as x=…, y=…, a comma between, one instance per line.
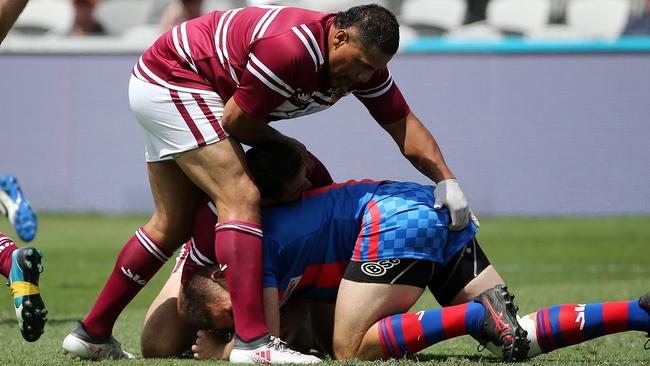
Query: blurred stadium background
x=540, y=106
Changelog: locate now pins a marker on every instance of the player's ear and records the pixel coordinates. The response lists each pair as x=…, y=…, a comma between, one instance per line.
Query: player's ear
x=217, y=274
x=341, y=37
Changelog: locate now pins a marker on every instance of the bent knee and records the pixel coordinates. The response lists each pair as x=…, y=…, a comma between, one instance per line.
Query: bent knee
x=344, y=349
x=167, y=233
x=240, y=204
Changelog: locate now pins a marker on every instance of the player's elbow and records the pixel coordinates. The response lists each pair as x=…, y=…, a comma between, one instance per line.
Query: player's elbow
x=415, y=156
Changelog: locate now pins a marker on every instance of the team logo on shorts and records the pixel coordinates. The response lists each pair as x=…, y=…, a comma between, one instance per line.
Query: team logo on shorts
x=378, y=268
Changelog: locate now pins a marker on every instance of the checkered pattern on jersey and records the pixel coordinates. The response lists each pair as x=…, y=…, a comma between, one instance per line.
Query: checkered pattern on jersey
x=400, y=222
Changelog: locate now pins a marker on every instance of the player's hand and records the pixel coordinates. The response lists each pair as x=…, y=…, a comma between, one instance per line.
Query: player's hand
x=449, y=194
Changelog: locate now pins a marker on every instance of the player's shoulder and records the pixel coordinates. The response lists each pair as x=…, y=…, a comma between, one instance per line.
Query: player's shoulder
x=295, y=34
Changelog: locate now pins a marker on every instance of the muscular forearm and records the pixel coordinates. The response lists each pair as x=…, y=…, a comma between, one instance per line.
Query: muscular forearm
x=245, y=128
x=272, y=310
x=9, y=11
x=418, y=145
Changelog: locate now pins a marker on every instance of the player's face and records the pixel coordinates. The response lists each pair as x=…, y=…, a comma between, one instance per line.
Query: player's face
x=293, y=189
x=350, y=62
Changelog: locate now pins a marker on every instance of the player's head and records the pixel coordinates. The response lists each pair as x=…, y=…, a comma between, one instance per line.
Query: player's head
x=204, y=301
x=278, y=171
x=362, y=41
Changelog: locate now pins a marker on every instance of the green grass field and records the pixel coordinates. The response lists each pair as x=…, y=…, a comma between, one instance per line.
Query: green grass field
x=544, y=261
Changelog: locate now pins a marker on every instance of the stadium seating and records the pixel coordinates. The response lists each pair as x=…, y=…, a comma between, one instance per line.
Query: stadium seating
x=137, y=20
x=144, y=34
x=212, y=5
x=598, y=18
x=45, y=16
x=433, y=16
x=336, y=5
x=477, y=31
x=119, y=15
x=518, y=16
x=589, y=19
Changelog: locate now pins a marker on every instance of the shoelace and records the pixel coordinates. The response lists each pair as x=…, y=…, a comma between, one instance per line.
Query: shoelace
x=279, y=345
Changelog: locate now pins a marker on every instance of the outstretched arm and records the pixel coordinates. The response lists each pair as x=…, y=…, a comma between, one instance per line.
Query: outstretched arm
x=9, y=11
x=420, y=147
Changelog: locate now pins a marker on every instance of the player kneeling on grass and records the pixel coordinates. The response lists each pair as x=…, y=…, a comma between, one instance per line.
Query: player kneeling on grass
x=377, y=245
x=21, y=266
x=310, y=260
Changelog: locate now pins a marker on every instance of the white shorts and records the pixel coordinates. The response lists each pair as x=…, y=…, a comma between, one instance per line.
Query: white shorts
x=175, y=121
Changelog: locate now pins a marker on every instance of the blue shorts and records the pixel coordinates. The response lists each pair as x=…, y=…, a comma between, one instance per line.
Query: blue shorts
x=400, y=222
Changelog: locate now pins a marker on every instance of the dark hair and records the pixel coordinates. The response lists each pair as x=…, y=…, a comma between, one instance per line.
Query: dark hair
x=273, y=164
x=198, y=292
x=376, y=26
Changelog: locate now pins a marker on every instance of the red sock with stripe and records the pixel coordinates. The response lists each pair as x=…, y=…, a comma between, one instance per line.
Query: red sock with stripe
x=7, y=247
x=568, y=324
x=238, y=245
x=412, y=332
x=137, y=263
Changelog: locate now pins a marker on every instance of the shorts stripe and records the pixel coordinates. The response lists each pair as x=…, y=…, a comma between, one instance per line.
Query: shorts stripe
x=186, y=116
x=210, y=116
x=375, y=230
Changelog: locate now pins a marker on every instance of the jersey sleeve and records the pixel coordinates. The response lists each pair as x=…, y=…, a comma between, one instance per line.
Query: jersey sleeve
x=276, y=67
x=382, y=97
x=270, y=266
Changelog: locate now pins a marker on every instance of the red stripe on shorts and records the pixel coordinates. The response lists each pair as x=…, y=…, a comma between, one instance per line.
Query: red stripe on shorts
x=186, y=116
x=210, y=116
x=373, y=244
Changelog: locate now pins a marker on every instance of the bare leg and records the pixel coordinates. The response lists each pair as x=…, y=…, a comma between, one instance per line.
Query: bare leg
x=219, y=169
x=485, y=280
x=359, y=306
x=176, y=199
x=371, y=321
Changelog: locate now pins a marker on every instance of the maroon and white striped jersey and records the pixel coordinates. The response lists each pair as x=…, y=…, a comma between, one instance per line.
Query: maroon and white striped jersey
x=272, y=60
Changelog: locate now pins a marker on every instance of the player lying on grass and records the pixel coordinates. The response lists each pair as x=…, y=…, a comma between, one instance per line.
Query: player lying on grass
x=377, y=244
x=21, y=266
x=549, y=328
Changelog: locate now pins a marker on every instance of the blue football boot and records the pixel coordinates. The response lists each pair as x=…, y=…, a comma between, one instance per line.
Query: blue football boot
x=15, y=206
x=26, y=268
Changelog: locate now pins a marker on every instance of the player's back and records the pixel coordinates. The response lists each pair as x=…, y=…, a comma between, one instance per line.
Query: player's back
x=317, y=233
x=212, y=52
